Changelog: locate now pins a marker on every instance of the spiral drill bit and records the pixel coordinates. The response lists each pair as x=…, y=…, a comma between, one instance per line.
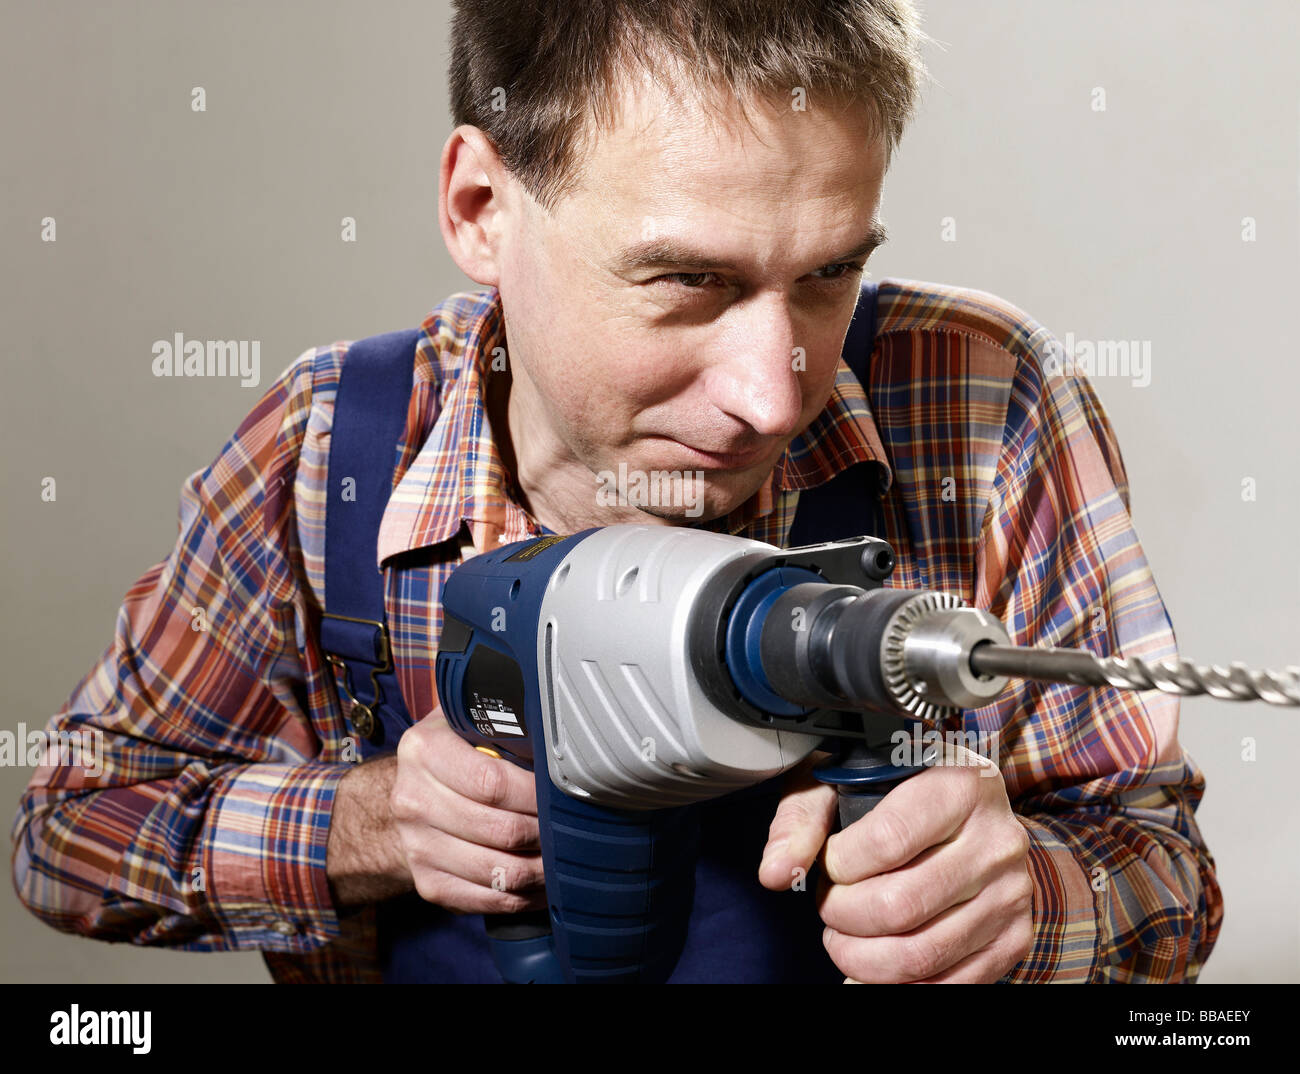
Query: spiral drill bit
x=1171, y=676
x=938, y=655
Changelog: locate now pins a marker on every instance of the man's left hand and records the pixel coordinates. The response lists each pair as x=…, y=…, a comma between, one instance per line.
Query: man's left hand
x=931, y=886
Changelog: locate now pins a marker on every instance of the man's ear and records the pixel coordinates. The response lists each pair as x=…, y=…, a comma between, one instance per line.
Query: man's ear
x=471, y=204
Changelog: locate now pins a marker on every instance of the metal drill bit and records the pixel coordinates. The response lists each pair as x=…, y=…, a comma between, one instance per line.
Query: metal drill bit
x=1172, y=676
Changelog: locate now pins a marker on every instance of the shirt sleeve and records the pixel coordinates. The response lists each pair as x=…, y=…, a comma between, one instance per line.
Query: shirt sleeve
x=198, y=812
x=1124, y=886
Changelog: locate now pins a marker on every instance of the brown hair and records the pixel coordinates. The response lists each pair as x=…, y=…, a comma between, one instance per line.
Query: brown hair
x=539, y=76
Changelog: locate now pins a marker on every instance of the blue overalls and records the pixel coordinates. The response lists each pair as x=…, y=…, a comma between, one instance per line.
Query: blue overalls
x=738, y=931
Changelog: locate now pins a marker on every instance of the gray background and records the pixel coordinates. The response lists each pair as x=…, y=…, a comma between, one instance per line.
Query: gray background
x=1124, y=224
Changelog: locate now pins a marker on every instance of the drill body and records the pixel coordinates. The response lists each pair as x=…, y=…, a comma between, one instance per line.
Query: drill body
x=640, y=670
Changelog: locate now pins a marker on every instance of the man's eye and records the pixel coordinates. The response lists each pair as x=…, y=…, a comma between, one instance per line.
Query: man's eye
x=683, y=277
x=694, y=281
x=845, y=269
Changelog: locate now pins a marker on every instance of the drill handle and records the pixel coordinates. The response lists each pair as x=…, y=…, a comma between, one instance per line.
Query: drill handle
x=863, y=774
x=619, y=885
x=854, y=805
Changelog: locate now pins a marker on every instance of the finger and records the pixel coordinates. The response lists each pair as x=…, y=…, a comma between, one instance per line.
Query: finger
x=803, y=819
x=985, y=966
x=993, y=962
x=421, y=800
x=905, y=898
x=935, y=947
x=491, y=781
x=498, y=829
x=463, y=897
x=921, y=812
x=496, y=869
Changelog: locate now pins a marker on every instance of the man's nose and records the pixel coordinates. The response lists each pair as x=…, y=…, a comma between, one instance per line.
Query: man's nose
x=760, y=382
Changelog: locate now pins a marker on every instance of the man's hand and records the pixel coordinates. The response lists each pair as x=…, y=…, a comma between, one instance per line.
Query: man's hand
x=466, y=822
x=932, y=885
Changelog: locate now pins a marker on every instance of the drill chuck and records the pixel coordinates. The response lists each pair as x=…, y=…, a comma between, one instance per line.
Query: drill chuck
x=896, y=650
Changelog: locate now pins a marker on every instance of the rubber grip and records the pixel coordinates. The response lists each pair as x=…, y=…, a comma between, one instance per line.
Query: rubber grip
x=856, y=806
x=619, y=885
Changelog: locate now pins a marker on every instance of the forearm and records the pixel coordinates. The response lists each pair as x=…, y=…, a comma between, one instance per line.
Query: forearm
x=364, y=860
x=203, y=859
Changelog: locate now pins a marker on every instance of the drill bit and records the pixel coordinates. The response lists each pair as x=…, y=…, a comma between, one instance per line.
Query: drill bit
x=1171, y=676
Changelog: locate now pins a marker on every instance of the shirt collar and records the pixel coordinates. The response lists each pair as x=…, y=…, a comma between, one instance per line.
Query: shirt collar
x=454, y=475
x=453, y=471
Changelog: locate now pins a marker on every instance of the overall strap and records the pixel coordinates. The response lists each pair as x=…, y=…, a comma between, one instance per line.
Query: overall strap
x=848, y=505
x=369, y=419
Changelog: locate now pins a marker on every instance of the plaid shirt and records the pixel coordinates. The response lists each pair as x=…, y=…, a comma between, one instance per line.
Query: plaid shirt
x=224, y=740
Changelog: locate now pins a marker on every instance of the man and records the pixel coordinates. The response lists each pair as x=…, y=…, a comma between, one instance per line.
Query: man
x=669, y=208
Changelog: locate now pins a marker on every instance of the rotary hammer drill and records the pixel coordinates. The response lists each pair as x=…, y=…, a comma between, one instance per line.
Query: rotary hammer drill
x=638, y=670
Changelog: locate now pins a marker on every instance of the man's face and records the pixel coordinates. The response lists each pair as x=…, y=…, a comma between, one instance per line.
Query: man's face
x=685, y=309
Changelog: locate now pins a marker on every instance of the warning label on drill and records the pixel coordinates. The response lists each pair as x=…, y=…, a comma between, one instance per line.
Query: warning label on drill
x=492, y=716
x=537, y=546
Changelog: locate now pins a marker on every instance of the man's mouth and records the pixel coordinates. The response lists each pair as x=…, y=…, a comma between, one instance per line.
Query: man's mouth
x=724, y=460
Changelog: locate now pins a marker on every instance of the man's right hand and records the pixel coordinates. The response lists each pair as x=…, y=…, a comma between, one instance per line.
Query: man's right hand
x=466, y=823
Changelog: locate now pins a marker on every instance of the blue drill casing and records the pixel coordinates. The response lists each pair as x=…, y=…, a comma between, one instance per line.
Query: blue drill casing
x=620, y=884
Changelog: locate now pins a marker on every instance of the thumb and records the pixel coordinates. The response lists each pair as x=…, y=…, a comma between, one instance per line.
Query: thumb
x=803, y=820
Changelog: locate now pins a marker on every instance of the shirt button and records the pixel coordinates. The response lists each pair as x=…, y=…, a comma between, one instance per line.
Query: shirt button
x=284, y=928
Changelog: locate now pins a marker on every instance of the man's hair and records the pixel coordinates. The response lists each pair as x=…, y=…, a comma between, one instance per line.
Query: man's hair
x=540, y=77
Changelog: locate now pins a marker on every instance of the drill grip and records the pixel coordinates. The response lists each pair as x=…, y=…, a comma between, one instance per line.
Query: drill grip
x=619, y=886
x=855, y=805
x=863, y=775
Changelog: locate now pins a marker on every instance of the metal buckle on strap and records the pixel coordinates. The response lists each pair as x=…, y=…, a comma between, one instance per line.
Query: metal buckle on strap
x=360, y=715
